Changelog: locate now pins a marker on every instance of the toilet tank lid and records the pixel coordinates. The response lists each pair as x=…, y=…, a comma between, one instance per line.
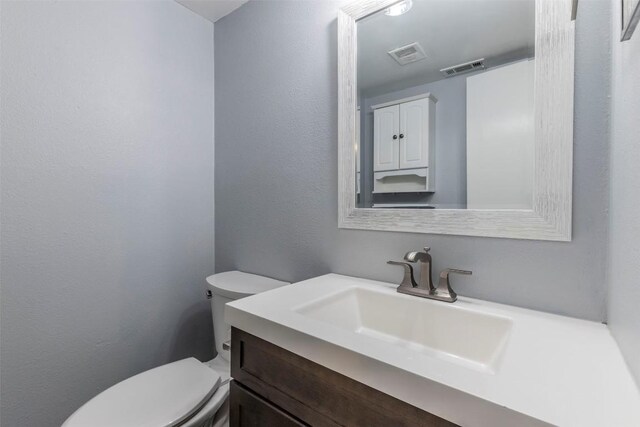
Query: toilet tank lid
x=236, y=284
x=161, y=397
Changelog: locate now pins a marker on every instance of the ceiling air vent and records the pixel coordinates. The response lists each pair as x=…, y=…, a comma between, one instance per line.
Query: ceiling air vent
x=406, y=54
x=478, y=64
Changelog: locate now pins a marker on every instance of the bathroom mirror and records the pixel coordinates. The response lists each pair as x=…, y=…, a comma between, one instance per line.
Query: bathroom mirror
x=456, y=117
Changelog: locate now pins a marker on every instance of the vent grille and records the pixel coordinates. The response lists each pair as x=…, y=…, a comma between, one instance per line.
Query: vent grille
x=407, y=54
x=477, y=64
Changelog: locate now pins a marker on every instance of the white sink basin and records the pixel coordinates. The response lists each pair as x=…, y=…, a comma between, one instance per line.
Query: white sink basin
x=473, y=362
x=439, y=329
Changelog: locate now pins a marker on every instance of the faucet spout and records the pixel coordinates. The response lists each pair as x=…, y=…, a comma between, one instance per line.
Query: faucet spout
x=424, y=258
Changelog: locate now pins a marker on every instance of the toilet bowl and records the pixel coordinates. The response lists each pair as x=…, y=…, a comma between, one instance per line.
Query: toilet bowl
x=186, y=393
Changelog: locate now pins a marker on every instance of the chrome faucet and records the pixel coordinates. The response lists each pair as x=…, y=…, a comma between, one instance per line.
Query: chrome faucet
x=425, y=288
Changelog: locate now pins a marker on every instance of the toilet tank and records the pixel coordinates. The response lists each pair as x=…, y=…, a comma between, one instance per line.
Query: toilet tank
x=230, y=286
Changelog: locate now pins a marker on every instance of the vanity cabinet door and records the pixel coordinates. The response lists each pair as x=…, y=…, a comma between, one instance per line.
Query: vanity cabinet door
x=250, y=410
x=313, y=394
x=386, y=123
x=415, y=130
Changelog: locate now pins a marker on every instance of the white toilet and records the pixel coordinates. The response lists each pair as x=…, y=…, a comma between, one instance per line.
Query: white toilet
x=186, y=393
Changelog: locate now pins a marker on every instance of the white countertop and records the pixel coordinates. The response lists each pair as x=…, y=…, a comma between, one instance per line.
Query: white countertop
x=554, y=369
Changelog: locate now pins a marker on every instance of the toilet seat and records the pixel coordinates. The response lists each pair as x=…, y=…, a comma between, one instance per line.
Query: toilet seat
x=186, y=393
x=166, y=396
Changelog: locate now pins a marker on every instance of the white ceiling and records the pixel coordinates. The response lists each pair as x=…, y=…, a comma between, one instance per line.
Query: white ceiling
x=212, y=9
x=451, y=32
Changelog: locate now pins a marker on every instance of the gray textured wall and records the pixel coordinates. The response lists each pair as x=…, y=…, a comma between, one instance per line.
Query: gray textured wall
x=624, y=268
x=107, y=201
x=276, y=169
x=451, y=143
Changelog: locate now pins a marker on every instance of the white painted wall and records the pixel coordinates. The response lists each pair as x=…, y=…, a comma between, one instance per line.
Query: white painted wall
x=624, y=221
x=106, y=112
x=500, y=137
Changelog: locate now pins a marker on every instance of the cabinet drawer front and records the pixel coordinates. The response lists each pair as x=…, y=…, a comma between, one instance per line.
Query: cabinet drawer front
x=249, y=410
x=314, y=394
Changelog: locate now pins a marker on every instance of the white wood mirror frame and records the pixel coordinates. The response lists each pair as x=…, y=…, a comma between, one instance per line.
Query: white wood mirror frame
x=550, y=218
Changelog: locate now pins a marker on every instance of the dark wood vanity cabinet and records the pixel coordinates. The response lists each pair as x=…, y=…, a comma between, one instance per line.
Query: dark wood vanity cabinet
x=274, y=387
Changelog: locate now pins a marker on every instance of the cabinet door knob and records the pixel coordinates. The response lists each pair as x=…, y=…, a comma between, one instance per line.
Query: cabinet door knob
x=396, y=136
x=401, y=135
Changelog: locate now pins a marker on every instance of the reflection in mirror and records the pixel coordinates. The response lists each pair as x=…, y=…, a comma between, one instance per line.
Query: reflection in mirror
x=445, y=113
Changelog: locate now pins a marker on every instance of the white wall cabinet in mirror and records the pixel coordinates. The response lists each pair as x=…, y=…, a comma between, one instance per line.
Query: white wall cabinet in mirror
x=462, y=117
x=403, y=146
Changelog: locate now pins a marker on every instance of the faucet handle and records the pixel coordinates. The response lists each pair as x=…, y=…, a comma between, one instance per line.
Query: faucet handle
x=444, y=289
x=427, y=249
x=446, y=272
x=407, y=280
